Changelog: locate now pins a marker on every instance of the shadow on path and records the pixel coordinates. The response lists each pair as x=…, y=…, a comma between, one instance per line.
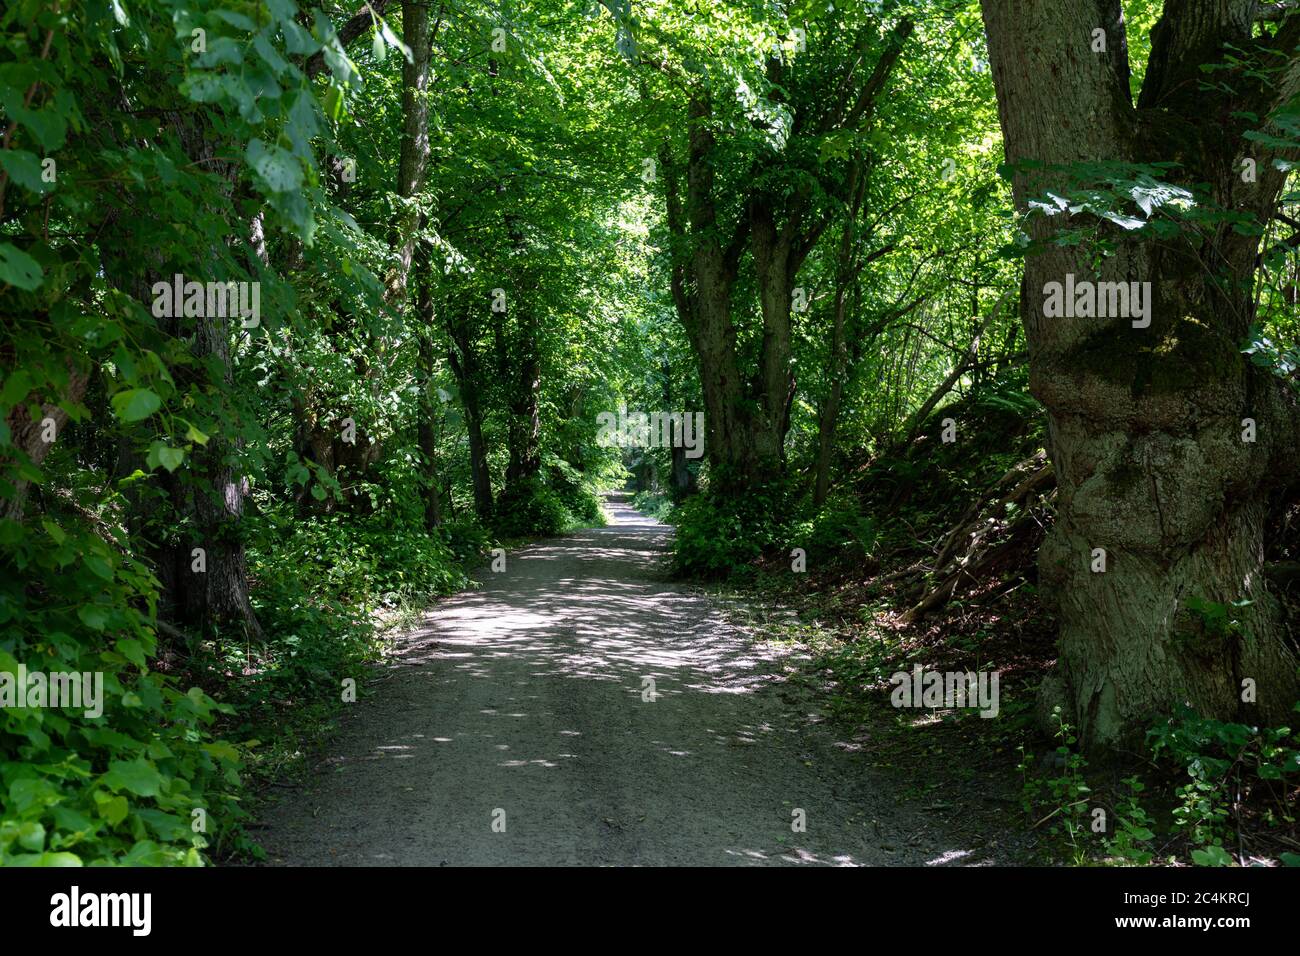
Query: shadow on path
x=526, y=703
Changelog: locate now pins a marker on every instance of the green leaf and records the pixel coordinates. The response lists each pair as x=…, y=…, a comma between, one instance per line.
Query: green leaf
x=132, y=650
x=203, y=87
x=92, y=616
x=17, y=387
x=1211, y=856
x=138, y=776
x=194, y=435
x=297, y=41
x=236, y=20
x=278, y=167
x=134, y=404
x=222, y=750
x=31, y=836
x=99, y=567
x=333, y=102
x=394, y=41
x=24, y=168
x=171, y=458
x=19, y=269
x=112, y=809
x=47, y=126
x=270, y=56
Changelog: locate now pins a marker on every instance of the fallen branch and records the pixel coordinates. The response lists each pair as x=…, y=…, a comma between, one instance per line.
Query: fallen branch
x=981, y=520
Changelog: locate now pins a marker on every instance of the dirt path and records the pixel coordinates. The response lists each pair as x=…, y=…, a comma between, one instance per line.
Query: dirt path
x=527, y=697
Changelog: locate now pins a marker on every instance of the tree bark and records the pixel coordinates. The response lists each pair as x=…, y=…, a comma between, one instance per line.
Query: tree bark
x=525, y=428
x=845, y=275
x=1145, y=423
x=413, y=157
x=217, y=599
x=426, y=434
x=28, y=435
x=464, y=361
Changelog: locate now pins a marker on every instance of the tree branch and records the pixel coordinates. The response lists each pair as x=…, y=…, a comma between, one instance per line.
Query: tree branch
x=358, y=24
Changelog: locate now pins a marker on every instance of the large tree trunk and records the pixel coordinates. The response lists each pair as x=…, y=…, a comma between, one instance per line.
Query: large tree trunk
x=1145, y=424
x=747, y=411
x=830, y=411
x=29, y=435
x=776, y=263
x=480, y=475
x=219, y=600
x=845, y=275
x=215, y=600
x=742, y=444
x=681, y=481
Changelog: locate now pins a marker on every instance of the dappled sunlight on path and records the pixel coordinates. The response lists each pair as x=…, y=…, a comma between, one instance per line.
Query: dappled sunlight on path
x=603, y=715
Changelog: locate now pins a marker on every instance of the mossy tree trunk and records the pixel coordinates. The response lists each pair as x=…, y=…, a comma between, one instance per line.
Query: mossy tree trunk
x=1146, y=424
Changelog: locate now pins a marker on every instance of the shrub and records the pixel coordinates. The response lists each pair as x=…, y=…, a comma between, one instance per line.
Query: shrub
x=655, y=504
x=718, y=536
x=121, y=787
x=359, y=558
x=576, y=492
x=529, y=507
x=838, y=528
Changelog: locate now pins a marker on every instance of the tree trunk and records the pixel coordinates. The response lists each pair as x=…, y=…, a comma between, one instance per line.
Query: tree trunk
x=845, y=274
x=426, y=435
x=28, y=435
x=525, y=428
x=831, y=410
x=1145, y=424
x=747, y=411
x=776, y=263
x=965, y=361
x=464, y=362
x=742, y=443
x=413, y=156
x=478, y=463
x=681, y=481
x=216, y=600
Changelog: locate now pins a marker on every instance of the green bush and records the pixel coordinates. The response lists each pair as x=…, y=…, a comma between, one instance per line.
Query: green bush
x=837, y=529
x=535, y=506
x=530, y=507
x=718, y=536
x=122, y=787
x=575, y=492
x=1222, y=763
x=360, y=558
x=655, y=504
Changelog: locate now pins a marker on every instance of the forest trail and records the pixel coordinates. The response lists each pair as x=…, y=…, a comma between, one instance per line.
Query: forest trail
x=526, y=696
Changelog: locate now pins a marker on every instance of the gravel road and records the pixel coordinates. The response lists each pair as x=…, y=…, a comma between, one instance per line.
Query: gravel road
x=518, y=726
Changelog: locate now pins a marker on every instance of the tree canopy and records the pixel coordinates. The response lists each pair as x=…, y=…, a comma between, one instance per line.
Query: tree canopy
x=307, y=309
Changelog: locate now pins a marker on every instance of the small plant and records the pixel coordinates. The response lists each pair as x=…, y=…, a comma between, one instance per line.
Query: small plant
x=1225, y=763
x=1066, y=793
x=1069, y=790
x=1133, y=834
x=1213, y=619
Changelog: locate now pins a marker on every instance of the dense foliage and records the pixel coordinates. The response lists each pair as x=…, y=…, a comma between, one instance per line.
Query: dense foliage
x=305, y=309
